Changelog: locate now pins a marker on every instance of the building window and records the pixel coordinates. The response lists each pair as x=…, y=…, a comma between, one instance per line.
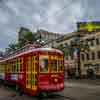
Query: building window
x=82, y=57
x=92, y=43
x=87, y=56
x=66, y=57
x=71, y=56
x=98, y=54
x=97, y=41
x=93, y=55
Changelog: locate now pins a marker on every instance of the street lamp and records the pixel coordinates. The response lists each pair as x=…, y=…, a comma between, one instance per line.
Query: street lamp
x=75, y=44
x=38, y=40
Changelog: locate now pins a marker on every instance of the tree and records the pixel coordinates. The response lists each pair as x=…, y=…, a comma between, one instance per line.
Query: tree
x=28, y=38
x=11, y=47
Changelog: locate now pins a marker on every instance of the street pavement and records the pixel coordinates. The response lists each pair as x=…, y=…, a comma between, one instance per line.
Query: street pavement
x=82, y=89
x=74, y=90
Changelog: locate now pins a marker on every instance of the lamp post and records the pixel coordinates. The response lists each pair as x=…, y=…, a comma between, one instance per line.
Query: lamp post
x=76, y=50
x=76, y=45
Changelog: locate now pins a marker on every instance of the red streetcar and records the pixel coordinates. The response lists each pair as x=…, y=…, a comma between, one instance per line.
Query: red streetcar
x=34, y=71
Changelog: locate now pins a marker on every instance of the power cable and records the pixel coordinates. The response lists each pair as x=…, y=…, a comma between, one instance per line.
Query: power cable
x=56, y=13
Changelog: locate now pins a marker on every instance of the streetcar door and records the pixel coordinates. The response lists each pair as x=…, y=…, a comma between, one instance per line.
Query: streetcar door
x=31, y=73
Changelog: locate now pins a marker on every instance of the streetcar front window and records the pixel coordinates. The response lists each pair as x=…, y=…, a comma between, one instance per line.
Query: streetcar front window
x=60, y=64
x=44, y=64
x=54, y=65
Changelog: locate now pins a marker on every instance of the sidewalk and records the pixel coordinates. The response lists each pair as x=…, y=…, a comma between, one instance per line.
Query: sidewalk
x=84, y=81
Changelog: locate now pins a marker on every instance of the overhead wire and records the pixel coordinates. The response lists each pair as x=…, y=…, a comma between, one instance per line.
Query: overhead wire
x=56, y=13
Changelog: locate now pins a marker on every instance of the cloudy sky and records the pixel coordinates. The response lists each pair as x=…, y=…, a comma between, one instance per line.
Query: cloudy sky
x=30, y=13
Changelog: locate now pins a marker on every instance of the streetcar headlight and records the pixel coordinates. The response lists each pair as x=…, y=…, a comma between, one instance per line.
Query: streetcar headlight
x=61, y=85
x=55, y=80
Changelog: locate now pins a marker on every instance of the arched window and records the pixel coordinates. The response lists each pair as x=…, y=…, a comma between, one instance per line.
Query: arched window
x=82, y=57
x=98, y=54
x=92, y=42
x=93, y=55
x=97, y=41
x=87, y=56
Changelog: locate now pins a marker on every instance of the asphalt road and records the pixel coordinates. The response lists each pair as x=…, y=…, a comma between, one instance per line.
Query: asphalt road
x=82, y=89
x=74, y=90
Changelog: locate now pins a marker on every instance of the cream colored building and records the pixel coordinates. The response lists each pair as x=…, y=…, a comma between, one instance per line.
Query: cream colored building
x=47, y=36
x=90, y=60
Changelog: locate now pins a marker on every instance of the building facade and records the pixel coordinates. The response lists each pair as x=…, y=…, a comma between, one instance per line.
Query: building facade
x=90, y=60
x=45, y=36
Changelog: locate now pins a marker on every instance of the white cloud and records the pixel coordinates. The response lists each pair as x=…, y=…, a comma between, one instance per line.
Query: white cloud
x=52, y=21
x=13, y=7
x=36, y=1
x=53, y=9
x=78, y=11
x=4, y=17
x=37, y=17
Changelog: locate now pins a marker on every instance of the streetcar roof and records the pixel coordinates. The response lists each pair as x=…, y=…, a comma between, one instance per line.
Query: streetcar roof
x=32, y=50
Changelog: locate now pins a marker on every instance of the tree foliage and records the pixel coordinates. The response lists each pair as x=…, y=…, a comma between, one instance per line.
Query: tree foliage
x=29, y=37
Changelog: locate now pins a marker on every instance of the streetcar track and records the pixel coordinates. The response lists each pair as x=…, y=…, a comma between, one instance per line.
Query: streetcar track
x=56, y=96
x=66, y=97
x=52, y=96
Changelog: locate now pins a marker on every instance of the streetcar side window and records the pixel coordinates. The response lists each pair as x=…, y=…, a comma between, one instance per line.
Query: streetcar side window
x=20, y=65
x=13, y=67
x=10, y=67
x=54, y=64
x=2, y=68
x=43, y=64
x=29, y=67
x=31, y=64
x=60, y=64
